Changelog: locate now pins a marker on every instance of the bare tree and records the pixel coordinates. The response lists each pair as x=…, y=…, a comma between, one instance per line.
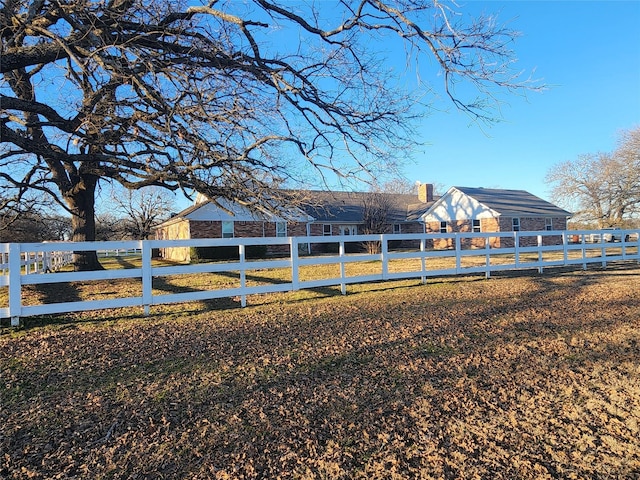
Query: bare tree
x=603, y=187
x=404, y=185
x=399, y=185
x=218, y=98
x=33, y=226
x=109, y=227
x=377, y=207
x=143, y=209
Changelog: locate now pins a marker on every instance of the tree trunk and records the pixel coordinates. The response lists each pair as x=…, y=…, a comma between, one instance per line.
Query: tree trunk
x=81, y=201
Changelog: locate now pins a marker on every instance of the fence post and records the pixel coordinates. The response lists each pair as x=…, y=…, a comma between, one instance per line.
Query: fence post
x=243, y=274
x=540, y=267
x=47, y=263
x=487, y=247
x=15, y=283
x=458, y=244
x=343, y=285
x=295, y=264
x=423, y=259
x=384, y=252
x=147, y=276
x=516, y=246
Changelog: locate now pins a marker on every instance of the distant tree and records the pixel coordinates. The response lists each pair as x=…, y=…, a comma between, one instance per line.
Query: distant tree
x=143, y=209
x=33, y=226
x=211, y=97
x=377, y=206
x=109, y=227
x=399, y=185
x=17, y=205
x=57, y=227
x=407, y=187
x=603, y=188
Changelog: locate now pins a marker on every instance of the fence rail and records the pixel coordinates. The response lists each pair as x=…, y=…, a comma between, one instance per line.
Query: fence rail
x=463, y=253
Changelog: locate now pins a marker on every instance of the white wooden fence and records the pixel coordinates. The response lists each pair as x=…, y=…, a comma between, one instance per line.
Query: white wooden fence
x=525, y=250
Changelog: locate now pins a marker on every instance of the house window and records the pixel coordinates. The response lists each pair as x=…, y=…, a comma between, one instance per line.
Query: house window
x=476, y=226
x=227, y=229
x=348, y=230
x=515, y=223
x=281, y=229
x=443, y=227
x=548, y=224
x=326, y=229
x=397, y=228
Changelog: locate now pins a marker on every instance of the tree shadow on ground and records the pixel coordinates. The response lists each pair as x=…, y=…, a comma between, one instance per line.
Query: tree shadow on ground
x=358, y=384
x=125, y=263
x=68, y=292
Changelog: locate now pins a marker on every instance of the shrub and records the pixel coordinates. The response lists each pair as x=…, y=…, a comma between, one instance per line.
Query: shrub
x=204, y=254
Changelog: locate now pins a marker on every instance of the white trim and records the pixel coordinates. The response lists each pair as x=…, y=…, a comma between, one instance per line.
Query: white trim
x=447, y=208
x=548, y=223
x=349, y=229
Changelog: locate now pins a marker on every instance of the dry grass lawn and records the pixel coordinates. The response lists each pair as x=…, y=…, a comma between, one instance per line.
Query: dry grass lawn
x=516, y=377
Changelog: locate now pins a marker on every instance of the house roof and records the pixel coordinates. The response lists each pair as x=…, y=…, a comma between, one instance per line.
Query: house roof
x=513, y=203
x=312, y=205
x=223, y=209
x=349, y=207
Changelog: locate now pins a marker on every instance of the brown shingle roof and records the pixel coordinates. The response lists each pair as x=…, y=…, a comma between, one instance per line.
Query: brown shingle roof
x=513, y=202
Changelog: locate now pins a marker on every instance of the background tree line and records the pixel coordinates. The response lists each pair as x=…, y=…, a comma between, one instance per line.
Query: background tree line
x=601, y=189
x=126, y=215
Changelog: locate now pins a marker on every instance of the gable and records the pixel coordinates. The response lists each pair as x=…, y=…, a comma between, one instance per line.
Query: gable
x=456, y=205
x=225, y=211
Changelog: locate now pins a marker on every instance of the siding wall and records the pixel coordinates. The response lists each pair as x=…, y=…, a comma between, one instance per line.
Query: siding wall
x=176, y=231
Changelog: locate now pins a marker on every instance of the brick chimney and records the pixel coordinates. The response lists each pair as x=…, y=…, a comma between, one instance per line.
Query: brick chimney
x=425, y=192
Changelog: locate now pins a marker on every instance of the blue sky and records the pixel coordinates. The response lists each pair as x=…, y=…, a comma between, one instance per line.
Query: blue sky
x=588, y=53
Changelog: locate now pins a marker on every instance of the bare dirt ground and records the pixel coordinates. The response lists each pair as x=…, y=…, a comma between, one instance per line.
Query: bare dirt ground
x=527, y=377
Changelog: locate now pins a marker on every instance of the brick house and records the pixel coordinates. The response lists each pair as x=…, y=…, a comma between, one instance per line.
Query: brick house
x=313, y=213
x=465, y=209
x=322, y=213
x=344, y=213
x=226, y=219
